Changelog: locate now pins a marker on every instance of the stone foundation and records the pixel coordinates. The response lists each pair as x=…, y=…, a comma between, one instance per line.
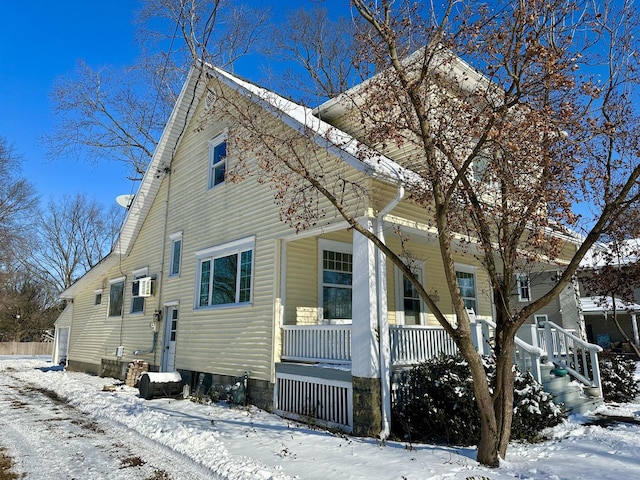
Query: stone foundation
x=114, y=369
x=259, y=392
x=367, y=416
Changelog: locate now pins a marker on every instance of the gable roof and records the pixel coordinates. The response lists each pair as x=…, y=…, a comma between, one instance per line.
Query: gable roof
x=302, y=119
x=296, y=116
x=141, y=204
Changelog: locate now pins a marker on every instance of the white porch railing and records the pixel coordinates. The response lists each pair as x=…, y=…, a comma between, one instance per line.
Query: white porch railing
x=580, y=358
x=316, y=343
x=558, y=340
x=415, y=344
x=525, y=355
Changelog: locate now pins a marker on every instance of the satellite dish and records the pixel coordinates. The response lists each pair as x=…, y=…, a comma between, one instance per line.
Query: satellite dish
x=124, y=200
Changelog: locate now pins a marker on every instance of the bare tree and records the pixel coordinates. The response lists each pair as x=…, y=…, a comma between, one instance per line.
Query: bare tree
x=108, y=114
x=74, y=234
x=27, y=310
x=314, y=55
x=118, y=114
x=17, y=201
x=496, y=158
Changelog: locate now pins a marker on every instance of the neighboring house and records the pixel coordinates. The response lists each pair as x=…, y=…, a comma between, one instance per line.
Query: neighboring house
x=563, y=310
x=205, y=278
x=598, y=309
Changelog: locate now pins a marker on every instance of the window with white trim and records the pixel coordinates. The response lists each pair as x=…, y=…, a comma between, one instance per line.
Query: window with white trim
x=408, y=303
x=176, y=253
x=225, y=274
x=467, y=284
x=217, y=160
x=137, y=302
x=524, y=287
x=539, y=319
x=336, y=270
x=116, y=297
x=97, y=299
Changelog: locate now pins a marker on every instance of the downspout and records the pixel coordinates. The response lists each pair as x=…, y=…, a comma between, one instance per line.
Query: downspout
x=383, y=324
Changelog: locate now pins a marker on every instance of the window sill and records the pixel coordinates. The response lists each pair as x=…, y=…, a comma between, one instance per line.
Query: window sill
x=225, y=306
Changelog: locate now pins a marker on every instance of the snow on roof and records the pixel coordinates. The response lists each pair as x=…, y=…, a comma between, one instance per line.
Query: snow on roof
x=600, y=254
x=601, y=305
x=337, y=142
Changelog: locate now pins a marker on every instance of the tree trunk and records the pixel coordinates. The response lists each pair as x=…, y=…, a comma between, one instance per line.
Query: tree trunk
x=624, y=335
x=503, y=394
x=489, y=441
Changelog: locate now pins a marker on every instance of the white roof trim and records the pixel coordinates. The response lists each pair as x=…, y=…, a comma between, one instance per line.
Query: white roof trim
x=599, y=305
x=141, y=204
x=337, y=142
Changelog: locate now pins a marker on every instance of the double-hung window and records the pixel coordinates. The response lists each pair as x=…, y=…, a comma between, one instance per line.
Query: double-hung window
x=217, y=160
x=225, y=274
x=116, y=297
x=467, y=284
x=409, y=303
x=337, y=278
x=524, y=287
x=176, y=252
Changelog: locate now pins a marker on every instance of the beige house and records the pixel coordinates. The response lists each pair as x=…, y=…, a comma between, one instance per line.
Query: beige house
x=207, y=280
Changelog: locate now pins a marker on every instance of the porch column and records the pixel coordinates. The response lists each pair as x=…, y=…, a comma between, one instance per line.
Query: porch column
x=634, y=324
x=365, y=368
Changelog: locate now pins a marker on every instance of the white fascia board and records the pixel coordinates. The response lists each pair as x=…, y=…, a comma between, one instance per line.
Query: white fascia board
x=162, y=157
x=91, y=276
x=337, y=142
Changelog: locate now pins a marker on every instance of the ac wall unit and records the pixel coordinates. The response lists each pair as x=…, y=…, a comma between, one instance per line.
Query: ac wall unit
x=142, y=287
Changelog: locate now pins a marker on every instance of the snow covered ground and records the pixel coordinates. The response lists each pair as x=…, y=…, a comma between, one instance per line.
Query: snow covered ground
x=62, y=425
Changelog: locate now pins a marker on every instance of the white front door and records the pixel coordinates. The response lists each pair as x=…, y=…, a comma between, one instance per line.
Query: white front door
x=169, y=343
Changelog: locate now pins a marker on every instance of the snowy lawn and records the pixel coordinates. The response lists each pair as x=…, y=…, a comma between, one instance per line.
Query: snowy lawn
x=246, y=443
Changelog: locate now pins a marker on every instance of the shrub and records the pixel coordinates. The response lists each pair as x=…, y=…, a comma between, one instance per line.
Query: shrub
x=617, y=376
x=437, y=403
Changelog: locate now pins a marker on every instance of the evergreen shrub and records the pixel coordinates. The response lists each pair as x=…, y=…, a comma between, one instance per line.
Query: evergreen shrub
x=436, y=403
x=617, y=374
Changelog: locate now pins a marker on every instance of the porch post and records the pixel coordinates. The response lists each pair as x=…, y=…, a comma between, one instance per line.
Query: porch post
x=634, y=324
x=365, y=368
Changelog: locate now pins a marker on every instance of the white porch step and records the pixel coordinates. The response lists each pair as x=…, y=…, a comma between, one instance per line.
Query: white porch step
x=568, y=394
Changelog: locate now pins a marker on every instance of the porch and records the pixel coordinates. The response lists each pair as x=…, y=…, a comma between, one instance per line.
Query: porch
x=313, y=379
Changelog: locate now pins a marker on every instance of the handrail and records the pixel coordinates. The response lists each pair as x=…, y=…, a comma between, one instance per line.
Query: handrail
x=574, y=359
x=527, y=347
x=525, y=355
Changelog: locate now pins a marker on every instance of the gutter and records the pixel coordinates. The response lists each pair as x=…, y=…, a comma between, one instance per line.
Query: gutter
x=383, y=324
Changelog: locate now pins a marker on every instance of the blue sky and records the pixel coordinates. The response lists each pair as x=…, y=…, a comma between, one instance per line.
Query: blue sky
x=42, y=40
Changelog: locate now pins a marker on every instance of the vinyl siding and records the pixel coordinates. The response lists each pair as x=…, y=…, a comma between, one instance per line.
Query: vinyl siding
x=221, y=340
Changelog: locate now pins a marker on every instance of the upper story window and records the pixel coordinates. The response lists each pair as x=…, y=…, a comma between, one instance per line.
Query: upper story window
x=336, y=260
x=176, y=253
x=524, y=287
x=217, y=160
x=116, y=297
x=97, y=299
x=467, y=283
x=137, y=302
x=225, y=274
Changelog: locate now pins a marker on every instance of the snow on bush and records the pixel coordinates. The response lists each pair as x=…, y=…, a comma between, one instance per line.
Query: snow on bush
x=617, y=377
x=436, y=403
